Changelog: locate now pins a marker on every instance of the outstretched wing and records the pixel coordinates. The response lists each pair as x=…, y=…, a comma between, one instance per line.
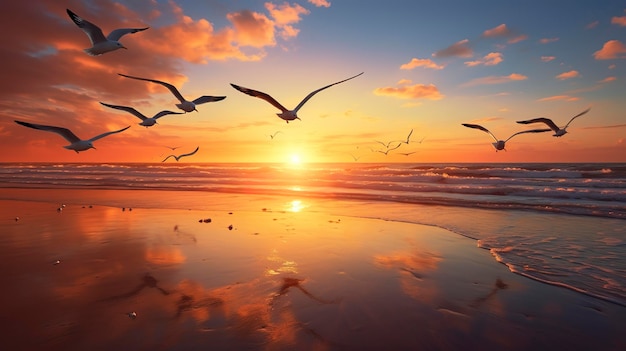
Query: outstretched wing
x=167, y=85
x=127, y=109
x=165, y=113
x=187, y=154
x=118, y=33
x=476, y=126
x=64, y=132
x=93, y=32
x=165, y=159
x=529, y=131
x=578, y=115
x=295, y=110
x=547, y=121
x=260, y=95
x=107, y=133
x=206, y=98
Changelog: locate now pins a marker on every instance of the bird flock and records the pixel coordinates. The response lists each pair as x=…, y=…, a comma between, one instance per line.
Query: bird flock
x=101, y=44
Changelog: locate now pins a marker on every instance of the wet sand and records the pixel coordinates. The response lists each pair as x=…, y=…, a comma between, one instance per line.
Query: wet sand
x=120, y=271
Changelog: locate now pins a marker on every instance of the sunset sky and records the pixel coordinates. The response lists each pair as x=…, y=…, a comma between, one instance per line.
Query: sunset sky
x=429, y=66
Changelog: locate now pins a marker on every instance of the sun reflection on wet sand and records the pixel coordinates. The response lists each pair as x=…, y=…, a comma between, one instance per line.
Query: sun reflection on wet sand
x=283, y=280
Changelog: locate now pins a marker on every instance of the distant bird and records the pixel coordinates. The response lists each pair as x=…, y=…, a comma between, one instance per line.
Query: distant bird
x=287, y=115
x=172, y=147
x=184, y=105
x=558, y=132
x=386, y=145
x=388, y=149
x=99, y=43
x=183, y=155
x=499, y=144
x=355, y=158
x=407, y=138
x=76, y=143
x=145, y=121
x=407, y=153
x=275, y=133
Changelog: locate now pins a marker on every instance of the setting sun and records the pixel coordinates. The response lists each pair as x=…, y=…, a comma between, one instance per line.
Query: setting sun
x=295, y=159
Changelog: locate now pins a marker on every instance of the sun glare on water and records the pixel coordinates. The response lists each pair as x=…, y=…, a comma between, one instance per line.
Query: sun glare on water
x=295, y=160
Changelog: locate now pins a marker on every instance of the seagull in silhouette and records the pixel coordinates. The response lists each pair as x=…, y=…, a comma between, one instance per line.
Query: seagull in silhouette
x=275, y=133
x=499, y=144
x=407, y=138
x=558, y=132
x=99, y=43
x=388, y=149
x=172, y=147
x=76, y=143
x=184, y=105
x=145, y=121
x=286, y=114
x=183, y=155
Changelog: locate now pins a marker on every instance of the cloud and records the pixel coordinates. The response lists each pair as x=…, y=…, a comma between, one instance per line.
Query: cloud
x=612, y=49
x=406, y=91
x=559, y=98
x=608, y=80
x=620, y=21
x=458, y=49
x=284, y=16
x=504, y=32
x=548, y=40
x=496, y=79
x=320, y=3
x=426, y=63
x=568, y=75
x=517, y=39
x=491, y=59
x=592, y=25
x=547, y=58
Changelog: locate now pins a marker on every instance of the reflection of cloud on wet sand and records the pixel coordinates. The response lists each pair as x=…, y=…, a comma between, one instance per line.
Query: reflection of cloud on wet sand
x=164, y=255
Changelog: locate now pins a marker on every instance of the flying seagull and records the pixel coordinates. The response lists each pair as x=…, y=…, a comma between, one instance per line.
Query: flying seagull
x=287, y=115
x=76, y=143
x=558, y=132
x=272, y=136
x=145, y=121
x=182, y=155
x=99, y=43
x=407, y=138
x=499, y=144
x=388, y=149
x=184, y=105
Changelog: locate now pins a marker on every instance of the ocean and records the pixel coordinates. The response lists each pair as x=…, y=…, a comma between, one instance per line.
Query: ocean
x=561, y=224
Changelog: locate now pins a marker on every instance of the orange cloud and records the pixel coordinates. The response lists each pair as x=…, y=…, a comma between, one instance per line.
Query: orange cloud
x=568, y=75
x=558, y=98
x=320, y=3
x=458, y=49
x=284, y=15
x=406, y=91
x=252, y=29
x=517, y=39
x=548, y=40
x=499, y=31
x=608, y=79
x=491, y=59
x=612, y=49
x=620, y=21
x=547, y=58
x=496, y=79
x=415, y=62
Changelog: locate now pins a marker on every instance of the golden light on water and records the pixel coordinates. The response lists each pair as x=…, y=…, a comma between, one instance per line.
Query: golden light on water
x=295, y=206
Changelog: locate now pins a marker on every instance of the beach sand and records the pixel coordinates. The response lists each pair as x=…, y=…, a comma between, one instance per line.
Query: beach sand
x=150, y=270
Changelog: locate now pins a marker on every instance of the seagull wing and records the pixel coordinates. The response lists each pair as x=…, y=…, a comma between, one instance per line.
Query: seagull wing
x=409, y=136
x=167, y=85
x=107, y=133
x=187, y=154
x=118, y=33
x=165, y=159
x=260, y=95
x=206, y=98
x=64, y=132
x=295, y=110
x=529, y=131
x=93, y=32
x=476, y=126
x=165, y=113
x=547, y=121
x=578, y=115
x=127, y=109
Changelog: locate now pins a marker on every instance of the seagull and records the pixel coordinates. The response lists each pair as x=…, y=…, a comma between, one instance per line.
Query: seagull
x=287, y=115
x=355, y=158
x=558, y=132
x=407, y=138
x=99, y=43
x=183, y=155
x=172, y=147
x=388, y=149
x=407, y=153
x=275, y=133
x=76, y=143
x=184, y=105
x=145, y=121
x=499, y=144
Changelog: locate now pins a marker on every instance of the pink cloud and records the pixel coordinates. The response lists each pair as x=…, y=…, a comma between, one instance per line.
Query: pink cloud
x=406, y=91
x=491, y=59
x=320, y=3
x=499, y=31
x=517, y=39
x=426, y=63
x=496, y=79
x=620, y=21
x=612, y=49
x=559, y=98
x=608, y=80
x=568, y=75
x=548, y=40
x=547, y=58
x=458, y=49
x=592, y=25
